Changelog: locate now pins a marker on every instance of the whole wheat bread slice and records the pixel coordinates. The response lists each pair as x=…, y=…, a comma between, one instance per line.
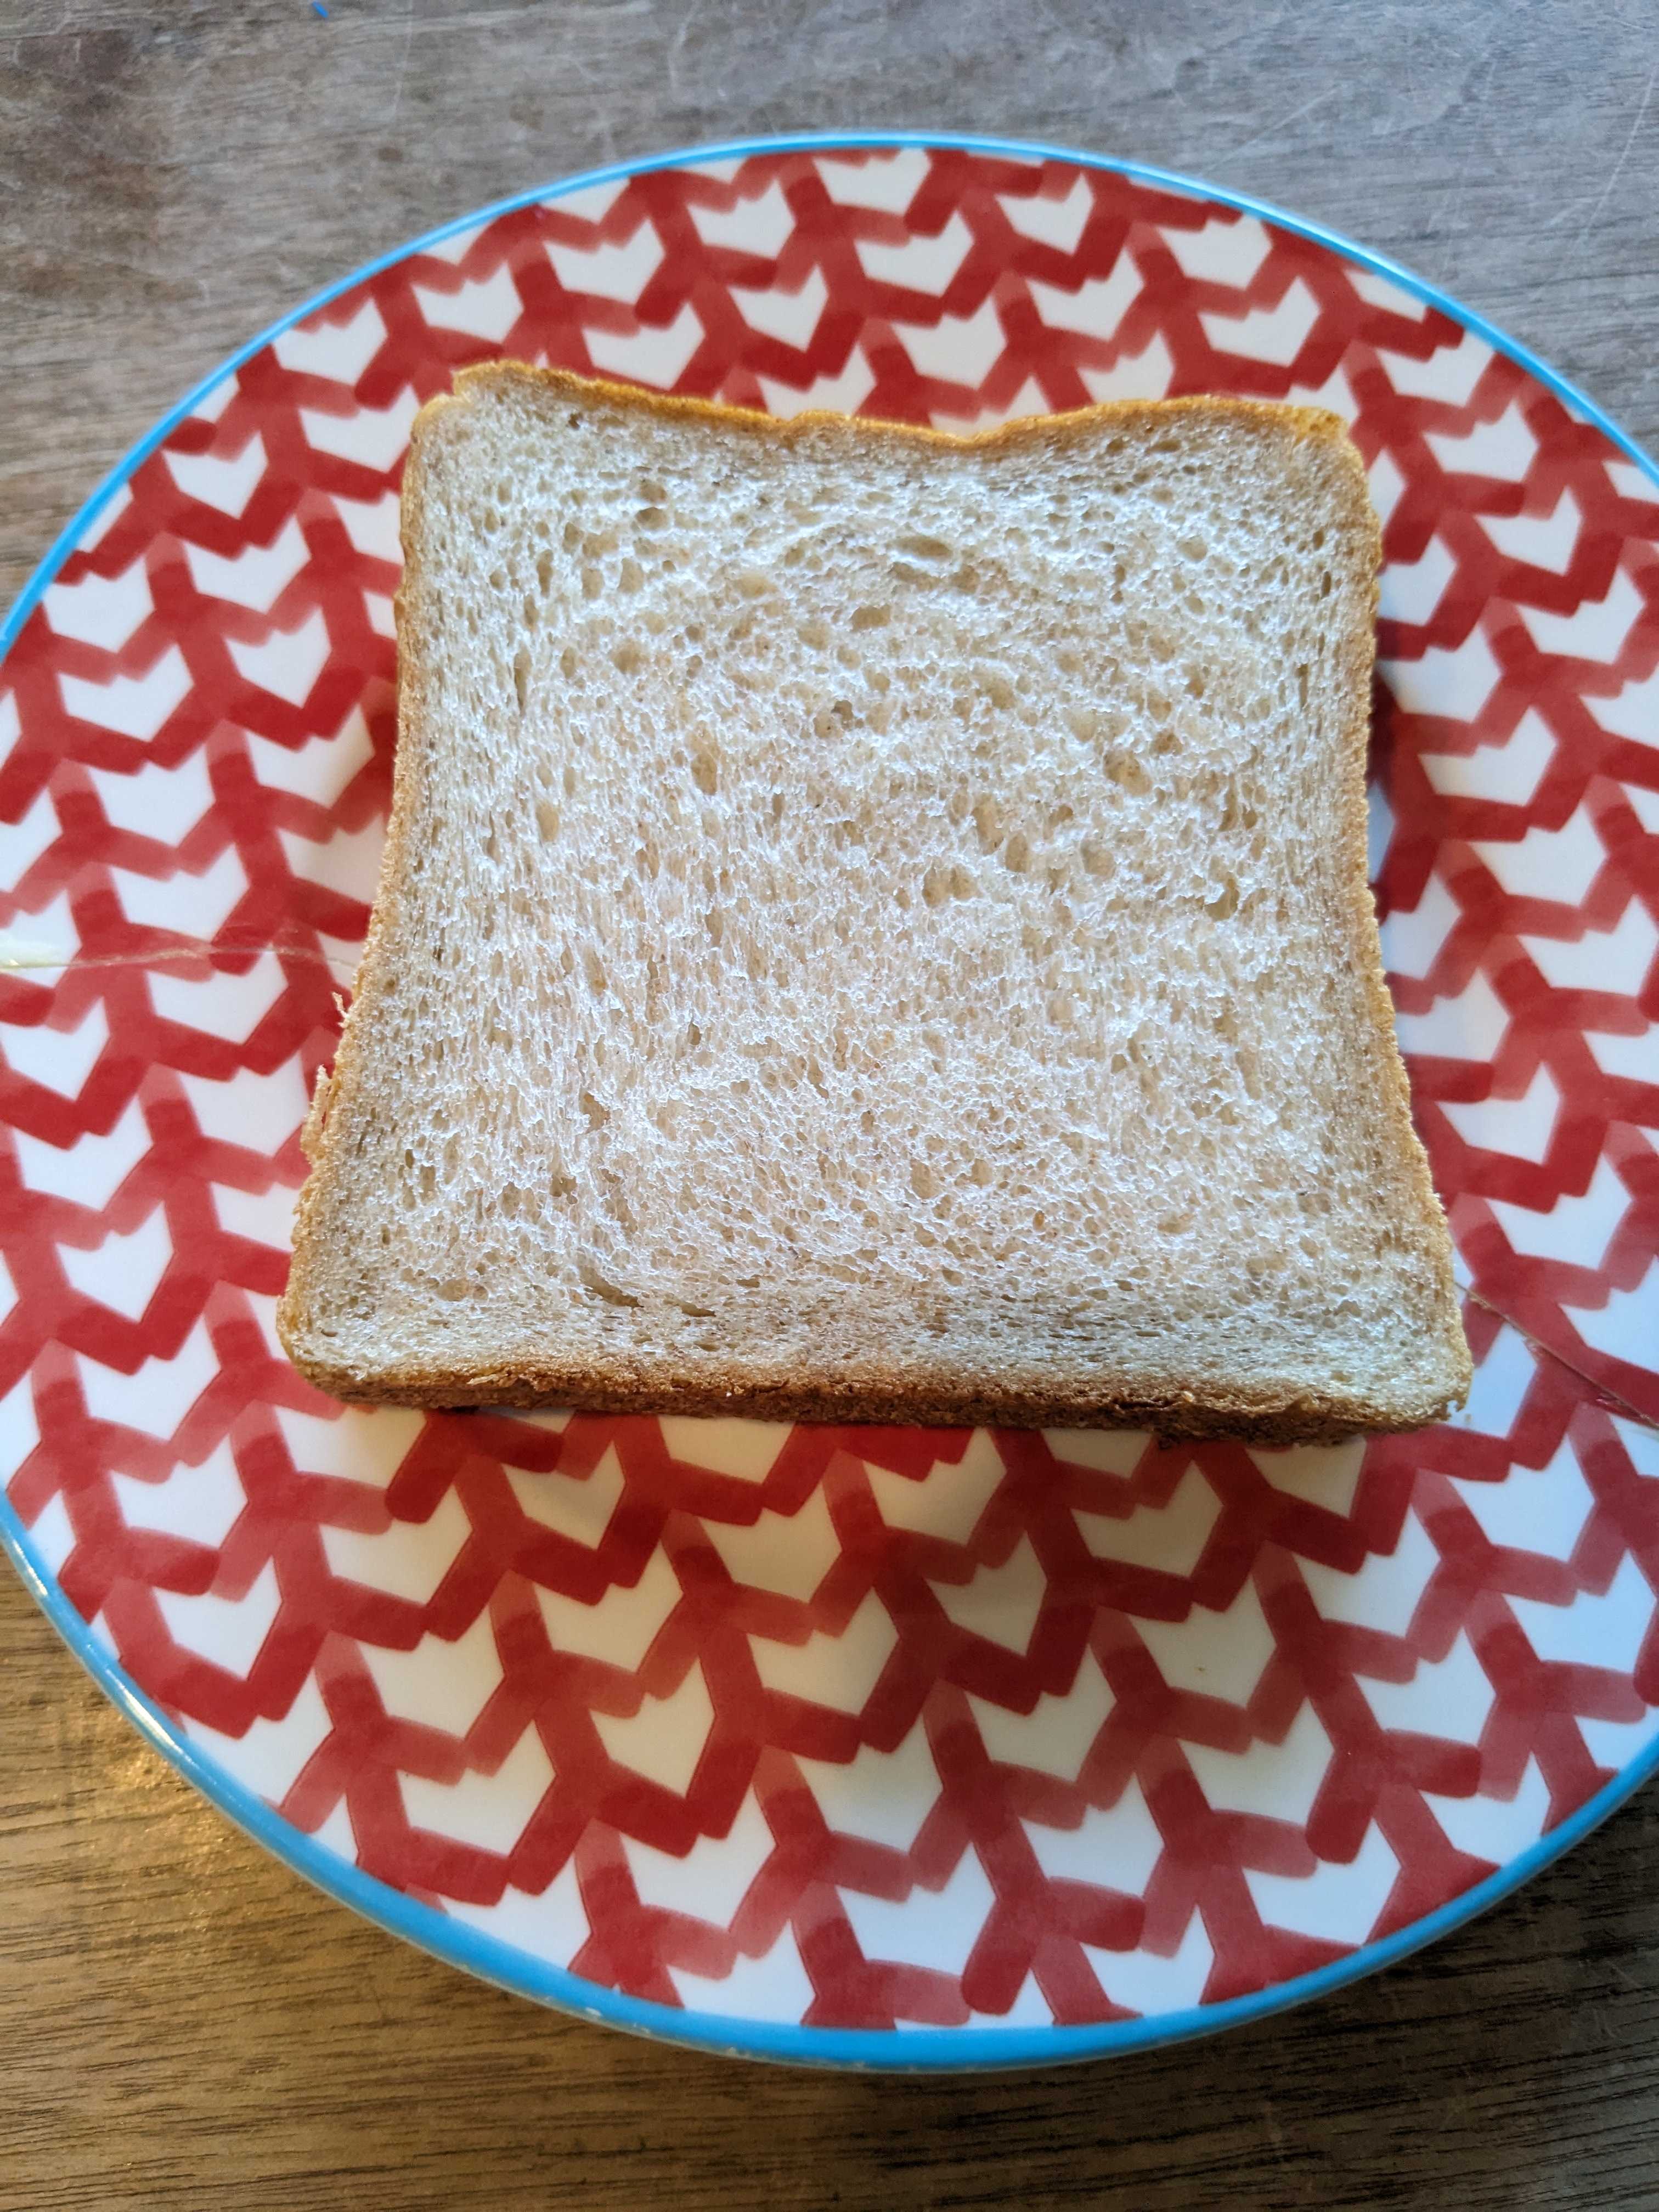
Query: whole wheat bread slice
x=874, y=927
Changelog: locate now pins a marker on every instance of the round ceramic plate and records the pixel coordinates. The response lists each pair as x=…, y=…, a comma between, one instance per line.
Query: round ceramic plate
x=888, y=1747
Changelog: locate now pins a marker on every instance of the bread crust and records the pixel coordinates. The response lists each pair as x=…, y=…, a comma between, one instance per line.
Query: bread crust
x=1176, y=1410
x=1173, y=1406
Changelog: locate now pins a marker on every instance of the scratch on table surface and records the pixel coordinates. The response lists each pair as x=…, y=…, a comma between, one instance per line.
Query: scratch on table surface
x=490, y=19
x=1455, y=189
x=1617, y=170
x=403, y=62
x=1319, y=99
x=1299, y=2178
x=676, y=51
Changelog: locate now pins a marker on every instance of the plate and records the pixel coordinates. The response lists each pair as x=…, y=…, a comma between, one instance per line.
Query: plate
x=884, y=1746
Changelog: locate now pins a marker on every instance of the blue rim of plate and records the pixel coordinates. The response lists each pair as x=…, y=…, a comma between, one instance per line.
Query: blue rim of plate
x=922, y=2050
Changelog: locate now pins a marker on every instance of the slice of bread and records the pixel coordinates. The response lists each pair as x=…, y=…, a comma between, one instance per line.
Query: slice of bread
x=874, y=927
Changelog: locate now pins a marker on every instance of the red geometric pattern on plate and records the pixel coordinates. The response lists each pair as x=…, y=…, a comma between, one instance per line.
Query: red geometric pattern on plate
x=861, y=1727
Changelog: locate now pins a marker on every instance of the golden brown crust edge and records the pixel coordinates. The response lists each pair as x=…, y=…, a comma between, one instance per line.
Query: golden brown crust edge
x=1174, y=1412
x=336, y=1083
x=1171, y=1413
x=1312, y=422
x=1366, y=951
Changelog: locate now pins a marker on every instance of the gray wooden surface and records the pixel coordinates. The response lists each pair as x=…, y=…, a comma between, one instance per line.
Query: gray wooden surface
x=183, y=2023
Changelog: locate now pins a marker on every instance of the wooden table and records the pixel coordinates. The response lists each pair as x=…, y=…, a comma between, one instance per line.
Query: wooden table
x=184, y=2023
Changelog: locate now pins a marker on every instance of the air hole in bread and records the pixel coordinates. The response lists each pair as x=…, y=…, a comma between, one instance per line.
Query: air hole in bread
x=705, y=763
x=595, y=1280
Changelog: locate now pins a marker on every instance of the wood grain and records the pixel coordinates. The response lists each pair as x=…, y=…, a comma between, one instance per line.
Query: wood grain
x=184, y=2023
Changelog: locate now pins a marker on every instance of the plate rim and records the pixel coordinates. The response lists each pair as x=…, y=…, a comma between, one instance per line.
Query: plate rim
x=456, y=1943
